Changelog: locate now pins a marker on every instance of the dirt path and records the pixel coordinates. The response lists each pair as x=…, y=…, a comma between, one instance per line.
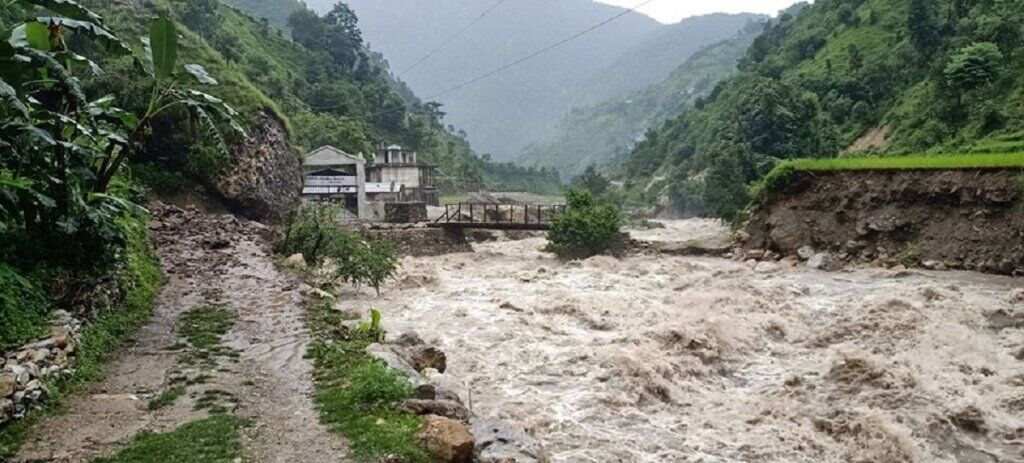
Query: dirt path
x=210, y=260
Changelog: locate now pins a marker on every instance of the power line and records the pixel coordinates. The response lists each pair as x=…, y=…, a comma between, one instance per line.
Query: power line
x=539, y=52
x=518, y=61
x=452, y=38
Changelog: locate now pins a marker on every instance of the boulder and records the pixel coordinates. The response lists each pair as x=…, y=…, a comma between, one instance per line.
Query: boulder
x=62, y=337
x=409, y=339
x=394, y=362
x=447, y=440
x=806, y=252
x=446, y=408
x=8, y=383
x=823, y=261
x=499, y=441
x=296, y=261
x=423, y=357
x=264, y=180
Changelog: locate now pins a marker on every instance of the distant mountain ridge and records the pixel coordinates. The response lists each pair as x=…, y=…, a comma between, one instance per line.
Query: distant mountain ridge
x=607, y=131
x=505, y=113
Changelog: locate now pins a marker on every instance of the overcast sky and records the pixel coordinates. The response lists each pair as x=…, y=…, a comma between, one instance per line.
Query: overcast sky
x=670, y=11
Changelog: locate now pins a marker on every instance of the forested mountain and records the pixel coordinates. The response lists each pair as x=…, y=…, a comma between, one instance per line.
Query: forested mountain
x=504, y=113
x=662, y=53
x=607, y=131
x=844, y=76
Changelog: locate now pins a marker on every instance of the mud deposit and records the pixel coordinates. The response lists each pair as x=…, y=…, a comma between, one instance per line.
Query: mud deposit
x=665, y=359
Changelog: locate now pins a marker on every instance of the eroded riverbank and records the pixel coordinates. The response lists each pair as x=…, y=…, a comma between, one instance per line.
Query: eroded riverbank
x=658, y=358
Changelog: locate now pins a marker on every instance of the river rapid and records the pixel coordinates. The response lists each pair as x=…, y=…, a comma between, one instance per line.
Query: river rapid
x=677, y=359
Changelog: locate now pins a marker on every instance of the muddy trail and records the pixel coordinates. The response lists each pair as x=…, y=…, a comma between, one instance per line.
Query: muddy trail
x=670, y=359
x=257, y=372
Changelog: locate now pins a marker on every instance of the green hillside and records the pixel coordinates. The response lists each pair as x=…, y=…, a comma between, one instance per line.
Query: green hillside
x=275, y=11
x=327, y=91
x=608, y=130
x=844, y=78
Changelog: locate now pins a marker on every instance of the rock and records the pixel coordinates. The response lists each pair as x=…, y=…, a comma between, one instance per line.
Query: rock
x=446, y=387
x=6, y=408
x=265, y=177
x=322, y=294
x=62, y=337
x=766, y=267
x=423, y=357
x=408, y=340
x=296, y=261
x=445, y=408
x=755, y=254
x=806, y=252
x=38, y=355
x=822, y=261
x=425, y=392
x=933, y=265
x=8, y=383
x=395, y=362
x=447, y=440
x=498, y=441
x=21, y=374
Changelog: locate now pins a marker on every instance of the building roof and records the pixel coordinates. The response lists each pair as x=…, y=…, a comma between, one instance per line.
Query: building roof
x=331, y=156
x=395, y=148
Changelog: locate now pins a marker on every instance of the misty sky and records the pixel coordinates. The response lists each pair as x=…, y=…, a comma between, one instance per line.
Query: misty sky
x=670, y=11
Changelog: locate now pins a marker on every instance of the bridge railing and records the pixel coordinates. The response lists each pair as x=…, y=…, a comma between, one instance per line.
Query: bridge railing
x=499, y=214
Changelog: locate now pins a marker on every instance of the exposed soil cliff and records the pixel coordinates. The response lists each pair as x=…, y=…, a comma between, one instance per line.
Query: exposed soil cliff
x=958, y=219
x=265, y=178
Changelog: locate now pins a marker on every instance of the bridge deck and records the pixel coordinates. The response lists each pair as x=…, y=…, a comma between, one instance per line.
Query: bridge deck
x=497, y=216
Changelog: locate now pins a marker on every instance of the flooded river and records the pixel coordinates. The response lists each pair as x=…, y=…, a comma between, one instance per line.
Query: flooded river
x=666, y=359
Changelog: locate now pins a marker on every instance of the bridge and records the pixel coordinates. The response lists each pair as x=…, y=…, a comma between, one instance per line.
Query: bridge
x=497, y=216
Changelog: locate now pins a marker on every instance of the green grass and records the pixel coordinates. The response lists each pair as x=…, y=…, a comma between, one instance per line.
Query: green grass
x=780, y=176
x=961, y=161
x=23, y=308
x=204, y=327
x=213, y=440
x=166, y=398
x=356, y=393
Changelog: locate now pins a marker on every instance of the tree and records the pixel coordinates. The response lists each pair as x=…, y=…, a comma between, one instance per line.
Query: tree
x=725, y=191
x=588, y=226
x=592, y=181
x=924, y=33
x=973, y=66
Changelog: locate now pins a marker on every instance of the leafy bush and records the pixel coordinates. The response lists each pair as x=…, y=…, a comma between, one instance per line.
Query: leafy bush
x=313, y=233
x=22, y=308
x=587, y=227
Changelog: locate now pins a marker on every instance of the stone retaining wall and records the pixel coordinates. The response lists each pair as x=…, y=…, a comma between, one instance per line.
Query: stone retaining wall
x=25, y=372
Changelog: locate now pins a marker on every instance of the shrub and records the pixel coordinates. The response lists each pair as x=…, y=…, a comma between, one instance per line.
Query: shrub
x=588, y=226
x=313, y=233
x=23, y=308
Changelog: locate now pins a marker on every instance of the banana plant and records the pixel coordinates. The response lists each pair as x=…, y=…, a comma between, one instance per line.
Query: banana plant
x=59, y=151
x=171, y=89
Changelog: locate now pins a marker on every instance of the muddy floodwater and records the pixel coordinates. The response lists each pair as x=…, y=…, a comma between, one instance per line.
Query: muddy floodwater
x=665, y=359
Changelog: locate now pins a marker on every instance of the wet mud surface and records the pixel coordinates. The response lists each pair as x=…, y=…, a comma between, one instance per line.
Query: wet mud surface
x=259, y=373
x=665, y=358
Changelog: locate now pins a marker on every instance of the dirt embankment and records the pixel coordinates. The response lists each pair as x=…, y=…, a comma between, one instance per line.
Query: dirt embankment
x=957, y=219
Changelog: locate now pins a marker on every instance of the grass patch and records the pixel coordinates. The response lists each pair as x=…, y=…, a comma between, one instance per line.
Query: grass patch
x=356, y=393
x=204, y=327
x=780, y=176
x=166, y=398
x=213, y=440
